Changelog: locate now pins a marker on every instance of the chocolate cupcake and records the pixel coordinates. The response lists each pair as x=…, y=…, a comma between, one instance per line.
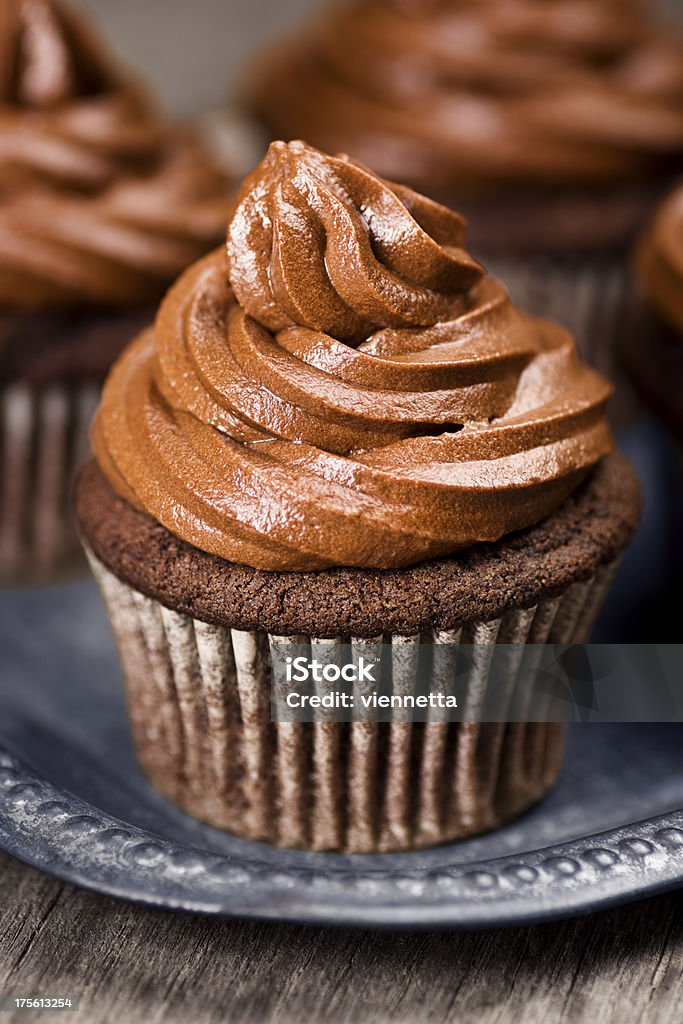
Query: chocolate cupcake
x=102, y=205
x=346, y=433
x=653, y=352
x=553, y=125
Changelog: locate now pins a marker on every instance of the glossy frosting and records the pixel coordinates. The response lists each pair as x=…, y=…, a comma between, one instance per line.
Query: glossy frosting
x=99, y=201
x=364, y=395
x=475, y=93
x=660, y=260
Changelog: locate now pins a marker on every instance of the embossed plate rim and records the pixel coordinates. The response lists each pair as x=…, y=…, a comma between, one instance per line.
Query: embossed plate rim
x=64, y=836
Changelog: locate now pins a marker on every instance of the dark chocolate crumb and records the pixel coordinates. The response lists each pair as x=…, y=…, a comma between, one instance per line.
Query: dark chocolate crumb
x=589, y=530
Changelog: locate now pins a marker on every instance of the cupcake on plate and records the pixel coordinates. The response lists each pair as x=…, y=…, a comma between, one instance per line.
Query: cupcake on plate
x=102, y=205
x=653, y=354
x=554, y=125
x=344, y=432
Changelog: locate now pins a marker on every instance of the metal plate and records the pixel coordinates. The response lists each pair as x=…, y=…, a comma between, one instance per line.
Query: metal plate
x=74, y=804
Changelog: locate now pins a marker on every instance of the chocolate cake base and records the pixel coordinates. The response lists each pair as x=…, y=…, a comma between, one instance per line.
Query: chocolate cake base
x=590, y=530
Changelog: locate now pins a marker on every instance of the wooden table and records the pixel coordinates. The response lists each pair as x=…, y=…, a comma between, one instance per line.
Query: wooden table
x=131, y=965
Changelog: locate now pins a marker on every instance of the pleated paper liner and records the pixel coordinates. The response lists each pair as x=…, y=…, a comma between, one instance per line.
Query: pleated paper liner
x=199, y=698
x=43, y=439
x=592, y=297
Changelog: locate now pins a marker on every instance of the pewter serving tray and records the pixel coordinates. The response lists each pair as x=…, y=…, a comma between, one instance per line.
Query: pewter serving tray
x=73, y=803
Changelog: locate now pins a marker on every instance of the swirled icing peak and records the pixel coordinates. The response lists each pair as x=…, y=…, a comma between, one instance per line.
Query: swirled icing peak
x=479, y=93
x=660, y=260
x=320, y=242
x=100, y=202
x=363, y=395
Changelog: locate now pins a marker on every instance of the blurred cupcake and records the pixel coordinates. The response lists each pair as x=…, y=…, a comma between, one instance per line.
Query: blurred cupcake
x=653, y=351
x=347, y=432
x=101, y=207
x=553, y=125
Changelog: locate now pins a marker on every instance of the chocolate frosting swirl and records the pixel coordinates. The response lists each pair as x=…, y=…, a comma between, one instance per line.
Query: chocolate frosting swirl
x=482, y=93
x=363, y=395
x=100, y=202
x=660, y=260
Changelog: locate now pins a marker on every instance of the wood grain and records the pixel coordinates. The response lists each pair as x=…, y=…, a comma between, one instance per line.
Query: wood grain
x=134, y=965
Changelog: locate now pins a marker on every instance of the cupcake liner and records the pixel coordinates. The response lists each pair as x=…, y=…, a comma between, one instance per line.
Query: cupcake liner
x=43, y=439
x=592, y=297
x=199, y=697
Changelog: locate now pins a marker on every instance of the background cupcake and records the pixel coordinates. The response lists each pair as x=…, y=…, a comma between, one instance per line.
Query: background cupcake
x=654, y=353
x=553, y=125
x=358, y=438
x=101, y=206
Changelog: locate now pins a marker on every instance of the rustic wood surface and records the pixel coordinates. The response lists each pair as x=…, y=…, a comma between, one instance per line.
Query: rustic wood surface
x=132, y=965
